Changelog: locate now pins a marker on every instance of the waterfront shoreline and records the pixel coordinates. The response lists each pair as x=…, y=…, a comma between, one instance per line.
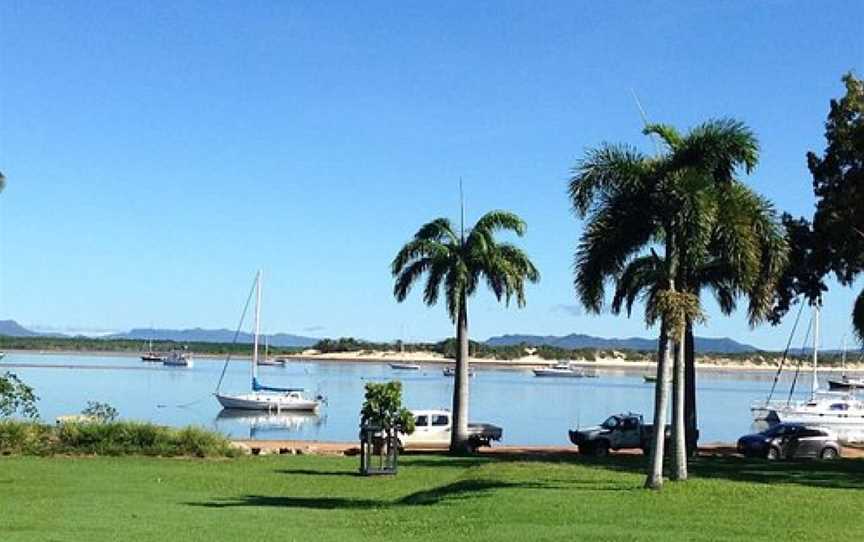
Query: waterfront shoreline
x=437, y=360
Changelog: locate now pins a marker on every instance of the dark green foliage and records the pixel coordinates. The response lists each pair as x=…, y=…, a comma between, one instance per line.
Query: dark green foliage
x=383, y=408
x=16, y=397
x=102, y=412
x=111, y=438
x=834, y=242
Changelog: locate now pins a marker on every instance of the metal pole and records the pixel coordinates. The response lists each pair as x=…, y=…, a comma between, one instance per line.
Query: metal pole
x=257, y=327
x=815, y=384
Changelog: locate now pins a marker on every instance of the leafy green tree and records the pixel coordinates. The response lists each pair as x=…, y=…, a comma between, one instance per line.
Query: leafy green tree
x=458, y=263
x=383, y=408
x=16, y=397
x=634, y=203
x=834, y=242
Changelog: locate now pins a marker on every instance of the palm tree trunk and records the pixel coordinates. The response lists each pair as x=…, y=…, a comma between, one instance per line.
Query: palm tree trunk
x=459, y=437
x=661, y=400
x=679, y=442
x=690, y=420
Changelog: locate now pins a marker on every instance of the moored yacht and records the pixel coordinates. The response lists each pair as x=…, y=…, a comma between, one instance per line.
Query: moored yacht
x=268, y=398
x=563, y=370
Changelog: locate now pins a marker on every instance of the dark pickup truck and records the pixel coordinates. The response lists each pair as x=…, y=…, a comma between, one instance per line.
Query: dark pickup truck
x=618, y=432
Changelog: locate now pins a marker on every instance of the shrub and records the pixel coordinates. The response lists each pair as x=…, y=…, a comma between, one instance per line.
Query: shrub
x=111, y=438
x=102, y=412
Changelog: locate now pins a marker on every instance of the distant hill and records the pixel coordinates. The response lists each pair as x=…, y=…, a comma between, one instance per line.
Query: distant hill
x=576, y=340
x=211, y=336
x=11, y=328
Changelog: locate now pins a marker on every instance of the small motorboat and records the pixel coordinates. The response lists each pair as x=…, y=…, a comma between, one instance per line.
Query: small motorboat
x=561, y=370
x=405, y=366
x=2, y=355
x=451, y=371
x=846, y=383
x=178, y=358
x=650, y=378
x=152, y=356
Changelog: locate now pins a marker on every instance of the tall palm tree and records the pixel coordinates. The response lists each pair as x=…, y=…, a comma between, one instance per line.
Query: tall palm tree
x=746, y=254
x=458, y=263
x=634, y=203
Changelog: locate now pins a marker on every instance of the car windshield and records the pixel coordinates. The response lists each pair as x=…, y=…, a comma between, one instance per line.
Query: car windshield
x=611, y=422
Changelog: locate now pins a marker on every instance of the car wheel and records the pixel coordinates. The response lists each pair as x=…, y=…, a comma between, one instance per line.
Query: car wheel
x=773, y=454
x=828, y=454
x=586, y=449
x=601, y=450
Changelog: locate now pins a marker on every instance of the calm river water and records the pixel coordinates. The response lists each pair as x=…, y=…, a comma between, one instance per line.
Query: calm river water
x=531, y=410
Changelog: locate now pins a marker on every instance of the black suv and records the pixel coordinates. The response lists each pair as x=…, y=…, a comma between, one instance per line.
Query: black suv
x=790, y=440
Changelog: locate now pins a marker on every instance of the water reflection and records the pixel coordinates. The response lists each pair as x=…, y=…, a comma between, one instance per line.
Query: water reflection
x=263, y=425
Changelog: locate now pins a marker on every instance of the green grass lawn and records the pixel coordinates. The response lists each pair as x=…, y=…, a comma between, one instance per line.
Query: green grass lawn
x=285, y=498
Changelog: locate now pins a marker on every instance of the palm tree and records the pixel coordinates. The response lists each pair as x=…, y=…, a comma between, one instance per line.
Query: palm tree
x=459, y=263
x=634, y=202
x=745, y=256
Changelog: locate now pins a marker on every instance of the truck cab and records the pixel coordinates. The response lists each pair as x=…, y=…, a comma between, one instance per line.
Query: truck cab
x=433, y=429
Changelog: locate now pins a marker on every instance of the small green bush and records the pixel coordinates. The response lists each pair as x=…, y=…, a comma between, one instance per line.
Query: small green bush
x=111, y=438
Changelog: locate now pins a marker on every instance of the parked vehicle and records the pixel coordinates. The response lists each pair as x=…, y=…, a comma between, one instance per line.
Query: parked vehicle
x=618, y=432
x=433, y=428
x=790, y=441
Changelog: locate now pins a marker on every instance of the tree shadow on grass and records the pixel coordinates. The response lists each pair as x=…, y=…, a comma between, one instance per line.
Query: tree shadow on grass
x=837, y=474
x=311, y=472
x=463, y=489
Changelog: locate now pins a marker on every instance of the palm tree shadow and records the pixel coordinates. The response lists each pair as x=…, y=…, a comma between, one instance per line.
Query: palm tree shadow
x=463, y=489
x=310, y=472
x=839, y=474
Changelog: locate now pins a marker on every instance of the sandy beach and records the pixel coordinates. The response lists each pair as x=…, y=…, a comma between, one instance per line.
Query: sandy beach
x=526, y=362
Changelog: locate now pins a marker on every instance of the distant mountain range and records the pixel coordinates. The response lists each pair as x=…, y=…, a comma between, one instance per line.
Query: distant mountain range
x=210, y=336
x=703, y=344
x=575, y=340
x=11, y=328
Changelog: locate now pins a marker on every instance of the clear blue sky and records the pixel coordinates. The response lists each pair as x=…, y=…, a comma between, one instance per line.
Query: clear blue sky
x=157, y=153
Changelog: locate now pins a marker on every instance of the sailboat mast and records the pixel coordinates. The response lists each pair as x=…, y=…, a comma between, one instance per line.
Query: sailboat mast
x=815, y=349
x=257, y=327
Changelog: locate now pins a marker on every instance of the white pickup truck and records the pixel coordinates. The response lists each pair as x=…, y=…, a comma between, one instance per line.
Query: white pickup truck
x=432, y=429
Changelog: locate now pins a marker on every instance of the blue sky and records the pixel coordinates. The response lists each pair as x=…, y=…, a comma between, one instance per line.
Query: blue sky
x=157, y=153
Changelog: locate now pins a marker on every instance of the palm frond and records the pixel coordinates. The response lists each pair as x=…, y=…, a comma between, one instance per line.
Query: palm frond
x=637, y=280
x=718, y=147
x=607, y=168
x=670, y=136
x=615, y=232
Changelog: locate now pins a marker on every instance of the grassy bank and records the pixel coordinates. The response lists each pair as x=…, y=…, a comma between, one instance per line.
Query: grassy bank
x=110, y=438
x=432, y=498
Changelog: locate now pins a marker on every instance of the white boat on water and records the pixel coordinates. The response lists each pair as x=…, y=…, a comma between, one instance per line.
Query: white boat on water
x=405, y=366
x=839, y=411
x=267, y=398
x=559, y=370
x=178, y=358
x=451, y=371
x=2, y=355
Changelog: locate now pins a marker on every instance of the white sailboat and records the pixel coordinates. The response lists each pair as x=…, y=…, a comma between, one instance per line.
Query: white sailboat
x=262, y=397
x=839, y=411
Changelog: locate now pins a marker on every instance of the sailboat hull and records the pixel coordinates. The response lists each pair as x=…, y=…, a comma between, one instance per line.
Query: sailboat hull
x=270, y=402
